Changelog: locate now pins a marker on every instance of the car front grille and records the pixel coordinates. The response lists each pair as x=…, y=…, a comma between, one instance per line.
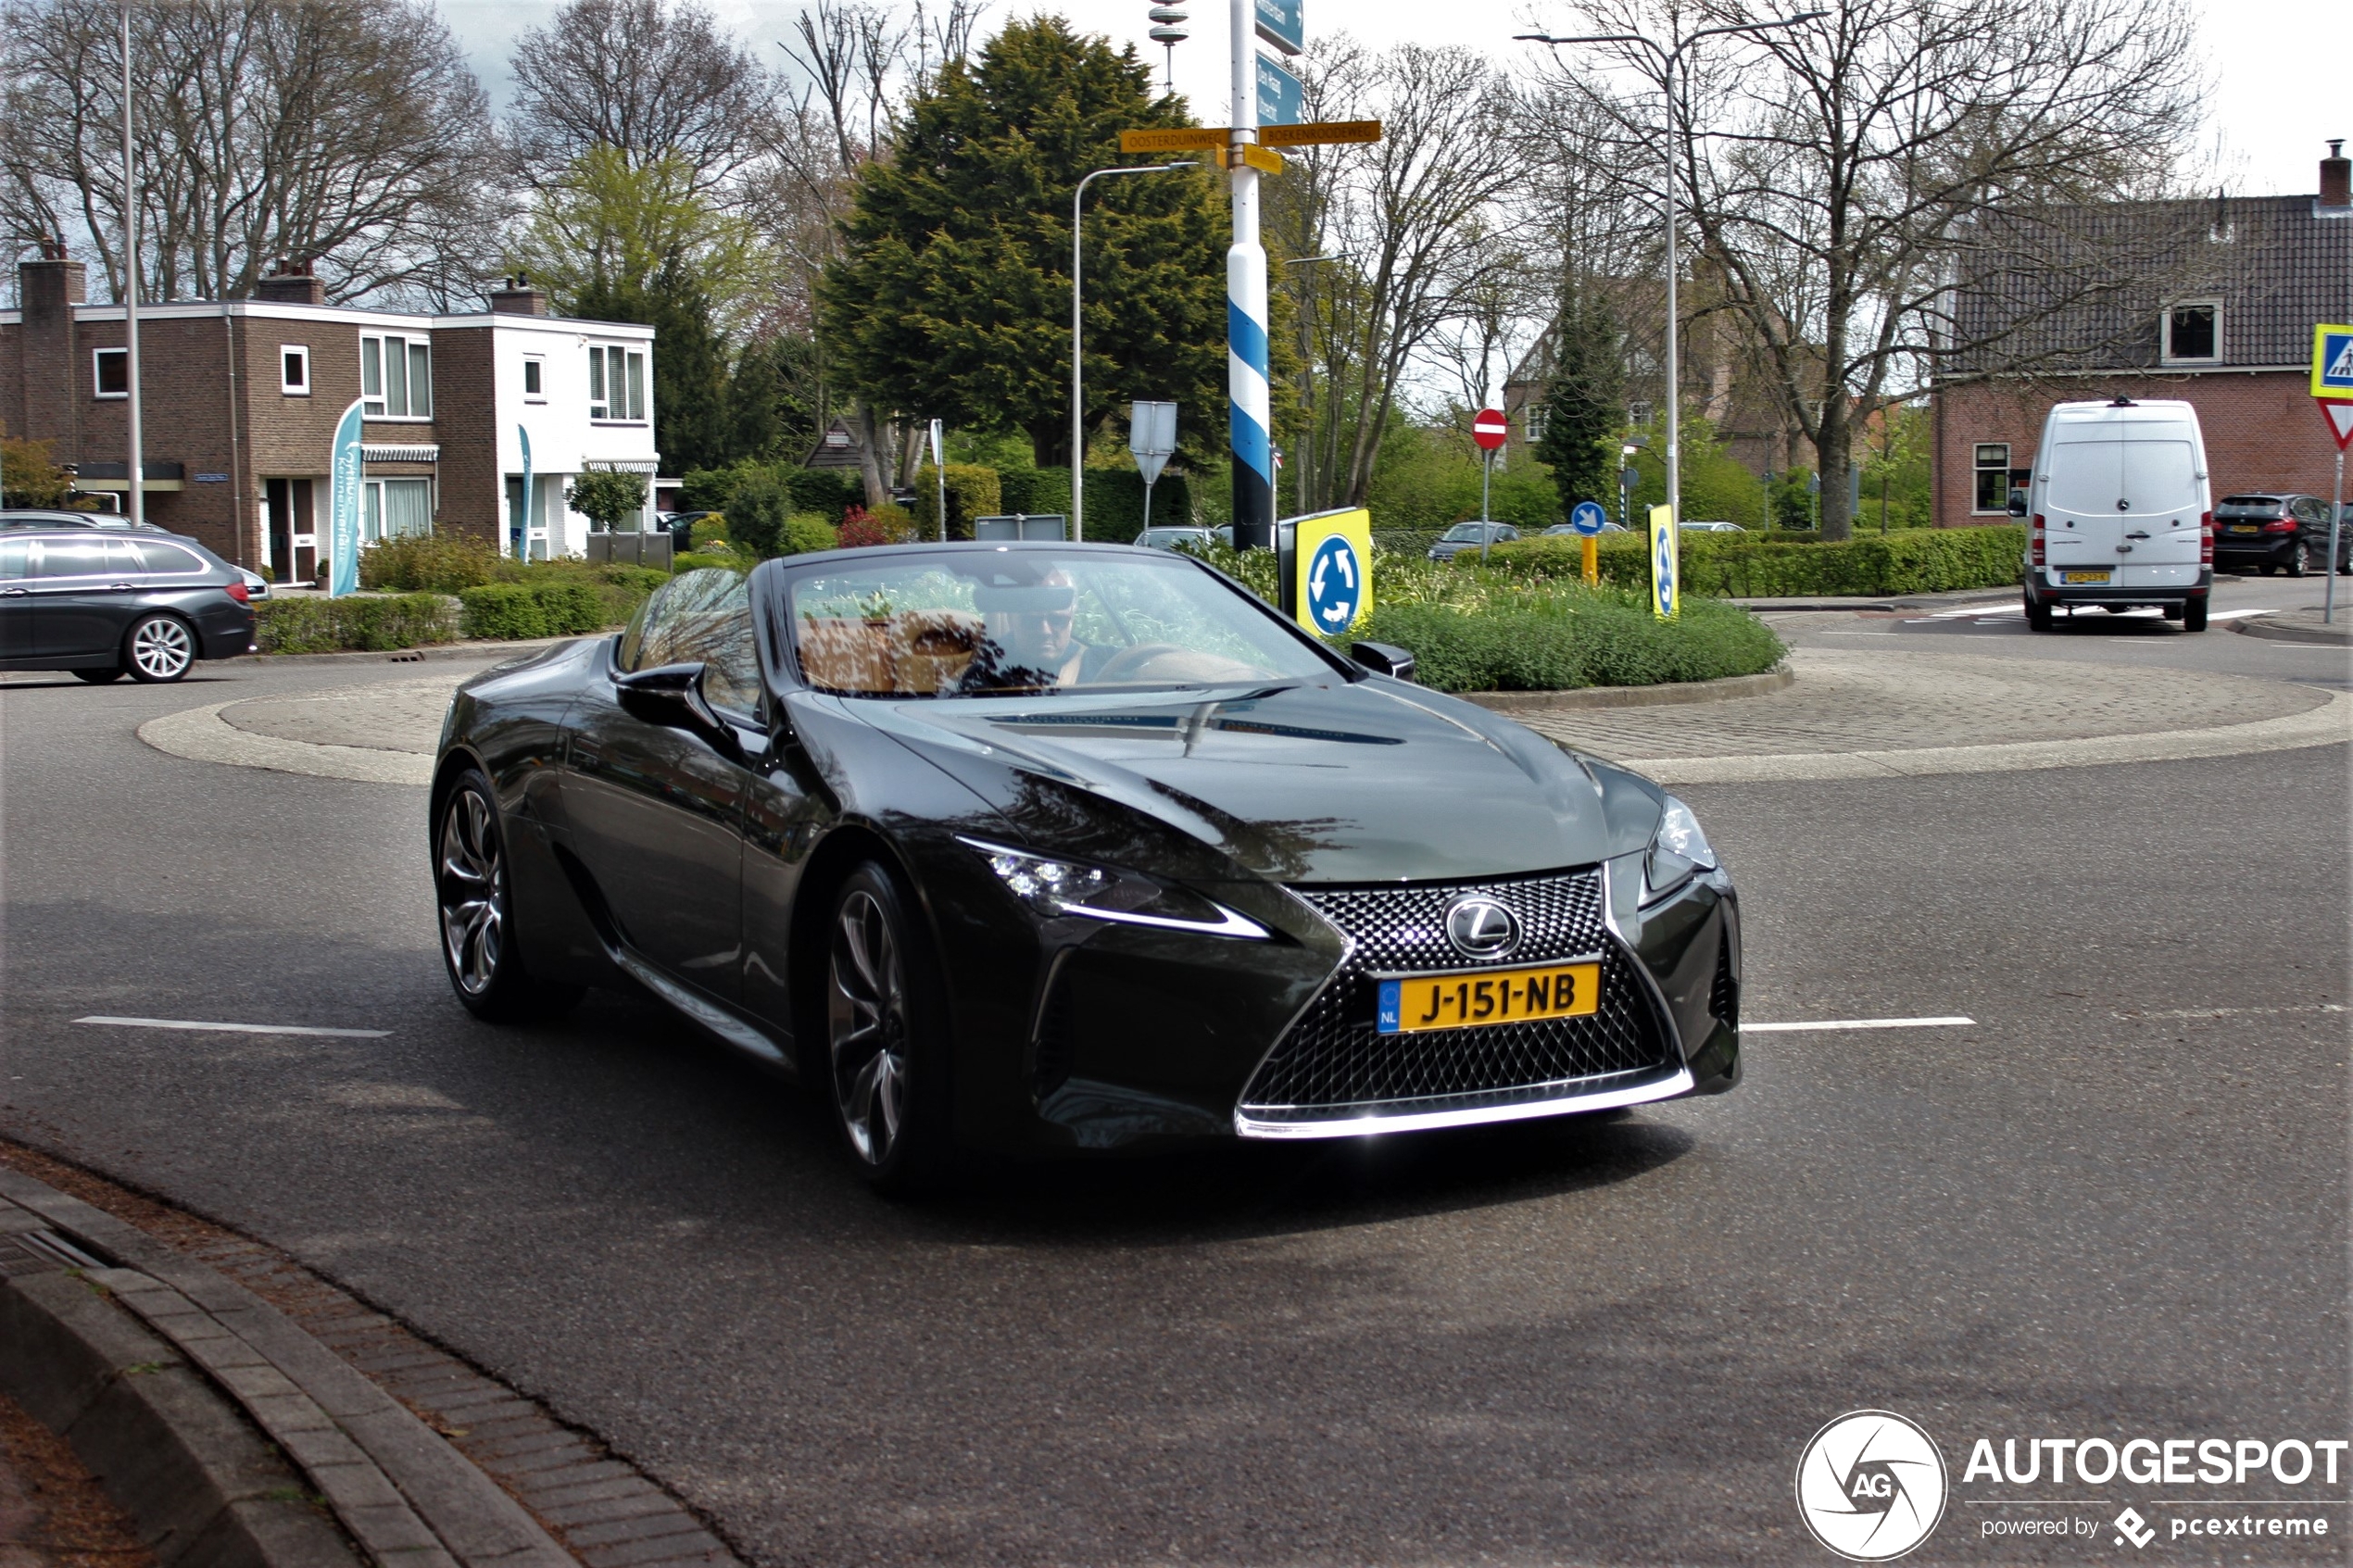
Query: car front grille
x=1333, y=1063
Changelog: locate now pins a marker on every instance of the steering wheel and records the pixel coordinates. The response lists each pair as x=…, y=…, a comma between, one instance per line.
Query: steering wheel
x=1129, y=662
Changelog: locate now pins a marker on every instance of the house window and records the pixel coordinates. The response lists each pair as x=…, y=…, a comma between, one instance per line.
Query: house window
x=2194, y=332
x=294, y=369
x=396, y=508
x=1538, y=418
x=395, y=377
x=616, y=382
x=111, y=372
x=532, y=386
x=1993, y=478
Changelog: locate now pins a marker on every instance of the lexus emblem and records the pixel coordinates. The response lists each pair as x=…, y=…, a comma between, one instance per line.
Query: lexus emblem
x=1480, y=928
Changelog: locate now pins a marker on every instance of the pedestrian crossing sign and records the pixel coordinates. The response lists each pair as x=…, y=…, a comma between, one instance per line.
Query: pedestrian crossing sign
x=2333, y=361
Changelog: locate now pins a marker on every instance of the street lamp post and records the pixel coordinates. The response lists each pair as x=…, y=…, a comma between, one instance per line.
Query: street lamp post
x=1307, y=375
x=1668, y=59
x=136, y=502
x=1078, y=342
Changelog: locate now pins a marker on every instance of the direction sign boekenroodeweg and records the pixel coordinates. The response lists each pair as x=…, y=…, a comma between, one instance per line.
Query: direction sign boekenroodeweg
x=2333, y=361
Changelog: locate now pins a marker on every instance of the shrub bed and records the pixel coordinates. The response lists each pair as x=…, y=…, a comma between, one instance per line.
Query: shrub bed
x=1909, y=561
x=359, y=622
x=1567, y=637
x=555, y=607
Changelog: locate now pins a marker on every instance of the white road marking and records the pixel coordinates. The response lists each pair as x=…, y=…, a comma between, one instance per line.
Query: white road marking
x=2233, y=1012
x=1857, y=1024
x=236, y=1028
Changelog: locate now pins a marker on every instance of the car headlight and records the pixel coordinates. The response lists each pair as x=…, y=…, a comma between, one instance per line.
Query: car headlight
x=1677, y=850
x=1058, y=889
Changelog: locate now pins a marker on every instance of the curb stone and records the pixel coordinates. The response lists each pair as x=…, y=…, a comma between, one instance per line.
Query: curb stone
x=2279, y=629
x=1720, y=690
x=151, y=1359
x=418, y=655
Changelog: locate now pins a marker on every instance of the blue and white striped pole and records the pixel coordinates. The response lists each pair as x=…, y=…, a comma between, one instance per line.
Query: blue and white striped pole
x=1250, y=417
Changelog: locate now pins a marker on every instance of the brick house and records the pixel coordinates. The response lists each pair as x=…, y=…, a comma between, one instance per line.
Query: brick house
x=2232, y=338
x=239, y=400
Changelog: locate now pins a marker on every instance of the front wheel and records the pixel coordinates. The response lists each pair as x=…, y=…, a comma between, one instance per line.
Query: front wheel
x=158, y=649
x=474, y=895
x=885, y=1061
x=2194, y=616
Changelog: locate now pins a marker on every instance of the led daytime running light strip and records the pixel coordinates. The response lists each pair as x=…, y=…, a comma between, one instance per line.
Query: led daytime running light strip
x=1230, y=923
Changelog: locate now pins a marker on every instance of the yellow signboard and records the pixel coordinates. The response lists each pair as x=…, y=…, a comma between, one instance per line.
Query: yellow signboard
x=1332, y=568
x=1183, y=139
x=1323, y=134
x=2333, y=361
x=1666, y=587
x=1259, y=158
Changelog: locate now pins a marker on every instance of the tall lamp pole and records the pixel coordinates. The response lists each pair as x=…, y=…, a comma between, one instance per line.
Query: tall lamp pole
x=1668, y=60
x=1078, y=342
x=136, y=472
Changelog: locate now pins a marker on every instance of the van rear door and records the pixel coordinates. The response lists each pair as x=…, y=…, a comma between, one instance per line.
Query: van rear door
x=2081, y=526
x=2163, y=501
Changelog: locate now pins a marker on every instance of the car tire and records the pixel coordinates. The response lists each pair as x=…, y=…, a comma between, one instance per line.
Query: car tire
x=2038, y=615
x=886, y=1063
x=2295, y=563
x=474, y=911
x=158, y=649
x=99, y=677
x=2194, y=616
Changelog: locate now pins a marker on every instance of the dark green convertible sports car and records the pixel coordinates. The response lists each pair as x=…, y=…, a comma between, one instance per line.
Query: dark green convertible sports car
x=1040, y=848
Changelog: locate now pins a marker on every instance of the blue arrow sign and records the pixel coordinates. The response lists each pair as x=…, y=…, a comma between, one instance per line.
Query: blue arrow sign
x=1335, y=585
x=1588, y=518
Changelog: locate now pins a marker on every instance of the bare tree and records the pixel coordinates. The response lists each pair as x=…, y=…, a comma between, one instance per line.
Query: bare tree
x=1843, y=175
x=344, y=133
x=653, y=78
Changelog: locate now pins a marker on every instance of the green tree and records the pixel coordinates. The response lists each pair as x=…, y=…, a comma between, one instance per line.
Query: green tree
x=606, y=496
x=952, y=298
x=1585, y=405
x=759, y=512
x=27, y=476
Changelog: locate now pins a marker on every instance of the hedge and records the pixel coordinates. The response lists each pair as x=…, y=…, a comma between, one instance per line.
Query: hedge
x=1910, y=560
x=974, y=490
x=1570, y=636
x=515, y=611
x=1035, y=491
x=370, y=622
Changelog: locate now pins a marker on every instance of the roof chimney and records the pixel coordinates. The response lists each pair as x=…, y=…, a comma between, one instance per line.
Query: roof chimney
x=515, y=297
x=290, y=282
x=2337, y=176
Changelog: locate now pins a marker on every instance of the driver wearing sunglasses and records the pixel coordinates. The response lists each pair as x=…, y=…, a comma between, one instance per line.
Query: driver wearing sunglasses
x=1031, y=640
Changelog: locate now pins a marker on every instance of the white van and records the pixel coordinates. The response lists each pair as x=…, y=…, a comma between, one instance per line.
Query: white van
x=2119, y=512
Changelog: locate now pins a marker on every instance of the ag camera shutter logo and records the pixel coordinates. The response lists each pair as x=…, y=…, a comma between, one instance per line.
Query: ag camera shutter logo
x=1871, y=1486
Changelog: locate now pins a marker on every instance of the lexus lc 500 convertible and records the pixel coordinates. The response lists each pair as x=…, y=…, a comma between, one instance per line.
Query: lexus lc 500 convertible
x=1036, y=848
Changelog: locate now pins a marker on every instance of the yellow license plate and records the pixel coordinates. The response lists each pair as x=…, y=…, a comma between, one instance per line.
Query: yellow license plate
x=1414, y=1002
x=2082, y=576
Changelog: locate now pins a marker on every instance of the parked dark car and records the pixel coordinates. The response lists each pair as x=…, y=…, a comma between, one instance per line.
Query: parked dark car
x=2270, y=532
x=1568, y=530
x=109, y=603
x=15, y=518
x=1065, y=847
x=1470, y=536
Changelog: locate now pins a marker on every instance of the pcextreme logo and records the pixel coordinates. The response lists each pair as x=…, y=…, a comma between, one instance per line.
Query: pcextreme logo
x=1870, y=1485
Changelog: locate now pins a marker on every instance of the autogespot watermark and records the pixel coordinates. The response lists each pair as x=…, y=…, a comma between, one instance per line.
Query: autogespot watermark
x=1871, y=1486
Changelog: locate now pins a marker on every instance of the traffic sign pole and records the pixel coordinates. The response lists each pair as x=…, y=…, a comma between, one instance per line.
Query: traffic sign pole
x=1489, y=428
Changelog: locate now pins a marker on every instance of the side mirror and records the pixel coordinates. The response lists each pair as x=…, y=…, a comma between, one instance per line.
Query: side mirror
x=2018, y=503
x=1383, y=658
x=670, y=696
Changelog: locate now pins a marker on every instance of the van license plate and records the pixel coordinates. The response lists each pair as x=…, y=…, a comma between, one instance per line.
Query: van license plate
x=2100, y=576
x=1416, y=1002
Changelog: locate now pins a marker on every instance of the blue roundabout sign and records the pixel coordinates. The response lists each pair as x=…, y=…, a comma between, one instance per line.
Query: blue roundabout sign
x=1588, y=518
x=1335, y=585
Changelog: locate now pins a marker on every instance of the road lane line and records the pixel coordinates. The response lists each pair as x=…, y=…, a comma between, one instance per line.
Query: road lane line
x=235, y=1028
x=2232, y=1012
x=1857, y=1024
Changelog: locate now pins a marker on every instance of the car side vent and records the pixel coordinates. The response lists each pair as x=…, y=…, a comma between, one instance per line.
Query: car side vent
x=1057, y=1038
x=1724, y=997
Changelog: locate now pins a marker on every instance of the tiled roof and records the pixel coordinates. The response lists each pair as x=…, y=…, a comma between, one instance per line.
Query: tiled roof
x=2276, y=265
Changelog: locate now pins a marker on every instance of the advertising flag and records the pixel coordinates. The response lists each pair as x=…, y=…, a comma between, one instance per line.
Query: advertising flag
x=343, y=506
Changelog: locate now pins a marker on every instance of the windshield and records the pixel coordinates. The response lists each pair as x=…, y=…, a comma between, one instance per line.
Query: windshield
x=948, y=623
x=1462, y=531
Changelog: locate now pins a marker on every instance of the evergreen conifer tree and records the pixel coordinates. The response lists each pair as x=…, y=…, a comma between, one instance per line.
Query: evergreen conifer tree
x=1585, y=405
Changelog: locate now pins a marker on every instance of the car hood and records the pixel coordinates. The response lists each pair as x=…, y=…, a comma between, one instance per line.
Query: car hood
x=1338, y=782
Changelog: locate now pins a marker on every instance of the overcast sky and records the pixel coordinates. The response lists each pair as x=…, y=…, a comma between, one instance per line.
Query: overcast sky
x=2280, y=66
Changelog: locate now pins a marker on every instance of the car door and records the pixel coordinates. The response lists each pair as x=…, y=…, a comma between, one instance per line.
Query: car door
x=655, y=813
x=82, y=597
x=16, y=599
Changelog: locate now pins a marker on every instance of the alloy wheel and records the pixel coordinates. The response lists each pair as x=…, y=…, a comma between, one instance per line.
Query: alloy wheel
x=161, y=649
x=473, y=896
x=866, y=1025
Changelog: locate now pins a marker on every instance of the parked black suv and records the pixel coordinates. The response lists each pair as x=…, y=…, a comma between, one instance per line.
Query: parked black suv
x=2274, y=531
x=106, y=603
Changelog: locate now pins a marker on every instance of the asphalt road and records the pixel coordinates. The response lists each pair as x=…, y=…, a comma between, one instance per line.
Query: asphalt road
x=2115, y=1206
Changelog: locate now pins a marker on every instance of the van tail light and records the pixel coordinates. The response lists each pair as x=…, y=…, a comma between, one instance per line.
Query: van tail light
x=237, y=592
x=2035, y=540
x=2206, y=539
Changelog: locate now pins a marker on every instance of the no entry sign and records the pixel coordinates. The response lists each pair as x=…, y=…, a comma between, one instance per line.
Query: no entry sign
x=1490, y=428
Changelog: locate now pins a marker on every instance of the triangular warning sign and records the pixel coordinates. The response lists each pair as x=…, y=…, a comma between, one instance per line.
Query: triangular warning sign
x=2338, y=411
